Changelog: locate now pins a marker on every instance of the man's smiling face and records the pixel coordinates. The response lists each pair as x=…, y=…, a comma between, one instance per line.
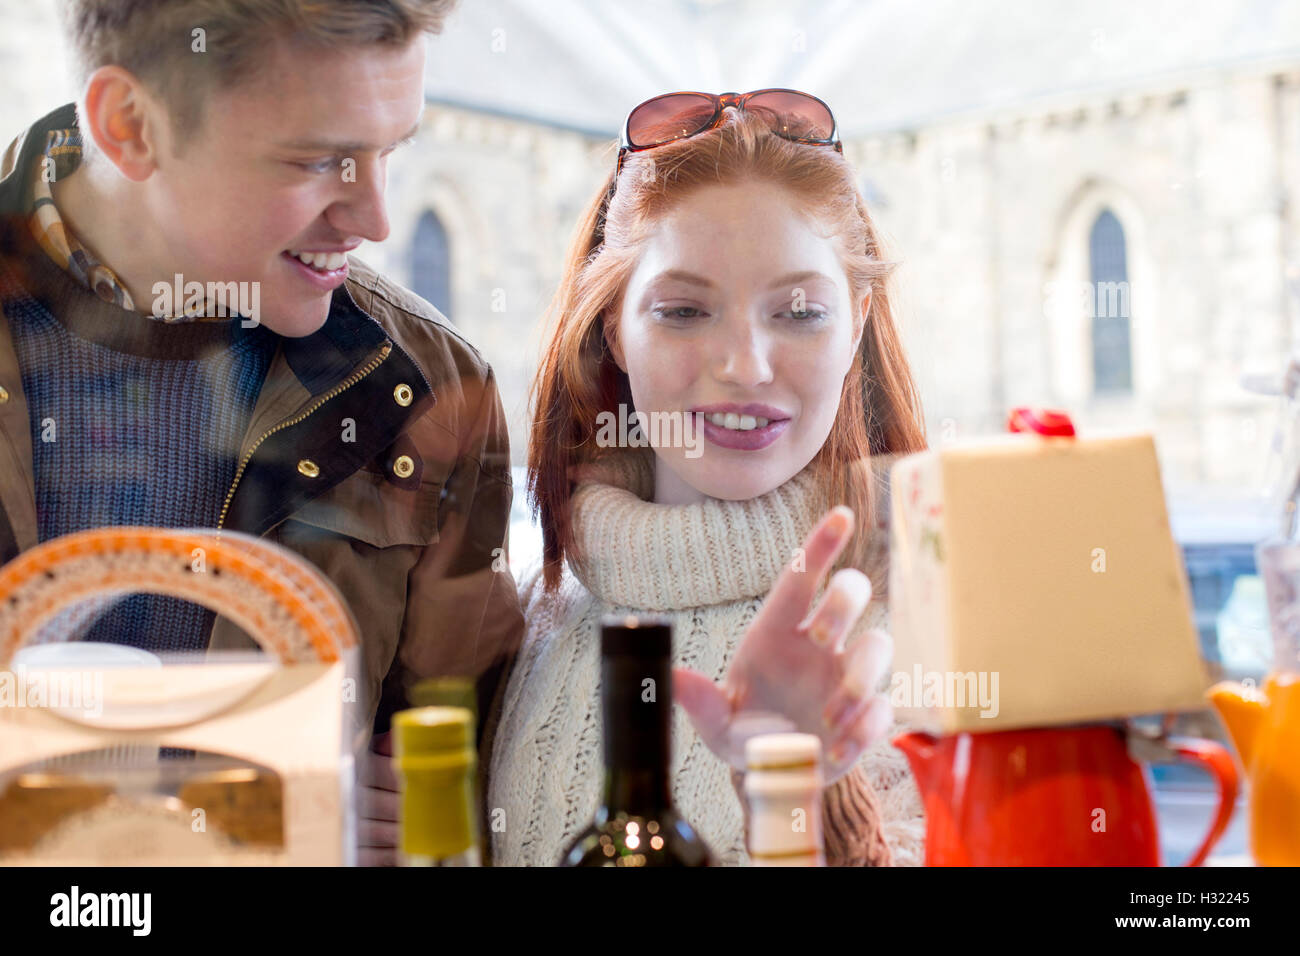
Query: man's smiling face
x=295, y=162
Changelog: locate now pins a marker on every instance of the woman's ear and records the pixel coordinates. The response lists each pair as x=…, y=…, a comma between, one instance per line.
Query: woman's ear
x=611, y=340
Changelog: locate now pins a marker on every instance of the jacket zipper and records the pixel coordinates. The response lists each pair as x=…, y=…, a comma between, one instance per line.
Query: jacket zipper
x=343, y=386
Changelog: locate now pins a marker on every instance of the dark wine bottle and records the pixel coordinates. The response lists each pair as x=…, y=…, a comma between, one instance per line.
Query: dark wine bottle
x=636, y=824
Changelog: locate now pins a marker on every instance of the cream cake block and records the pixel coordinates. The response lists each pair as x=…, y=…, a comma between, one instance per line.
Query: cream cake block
x=1034, y=581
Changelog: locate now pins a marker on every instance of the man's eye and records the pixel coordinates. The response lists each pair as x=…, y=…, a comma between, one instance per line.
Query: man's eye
x=325, y=165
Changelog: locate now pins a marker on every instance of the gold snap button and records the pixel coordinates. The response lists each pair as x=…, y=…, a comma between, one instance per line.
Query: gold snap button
x=403, y=394
x=308, y=467
x=404, y=467
x=4, y=394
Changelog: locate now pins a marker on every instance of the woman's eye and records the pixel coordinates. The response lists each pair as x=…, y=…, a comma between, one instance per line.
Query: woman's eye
x=676, y=312
x=803, y=315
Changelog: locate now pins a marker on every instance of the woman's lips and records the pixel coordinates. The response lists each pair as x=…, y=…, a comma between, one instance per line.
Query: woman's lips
x=751, y=439
x=742, y=438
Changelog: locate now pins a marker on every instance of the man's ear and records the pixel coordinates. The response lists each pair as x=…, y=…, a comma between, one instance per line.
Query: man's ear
x=117, y=118
x=611, y=339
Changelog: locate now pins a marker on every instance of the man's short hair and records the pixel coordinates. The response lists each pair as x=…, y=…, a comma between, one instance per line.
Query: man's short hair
x=159, y=41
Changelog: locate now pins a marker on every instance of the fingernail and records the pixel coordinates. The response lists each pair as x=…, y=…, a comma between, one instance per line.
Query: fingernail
x=832, y=718
x=854, y=684
x=842, y=519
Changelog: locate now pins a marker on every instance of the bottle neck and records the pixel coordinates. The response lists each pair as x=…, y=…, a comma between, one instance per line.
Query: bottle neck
x=437, y=814
x=637, y=793
x=636, y=694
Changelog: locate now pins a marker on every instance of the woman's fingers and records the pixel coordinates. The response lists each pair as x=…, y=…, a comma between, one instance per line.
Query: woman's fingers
x=846, y=597
x=706, y=704
x=864, y=666
x=792, y=594
x=870, y=725
x=843, y=712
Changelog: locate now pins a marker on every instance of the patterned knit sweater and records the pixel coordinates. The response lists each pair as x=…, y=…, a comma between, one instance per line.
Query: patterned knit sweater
x=707, y=567
x=143, y=438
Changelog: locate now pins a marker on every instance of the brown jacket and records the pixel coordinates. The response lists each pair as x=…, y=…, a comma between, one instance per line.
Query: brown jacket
x=417, y=552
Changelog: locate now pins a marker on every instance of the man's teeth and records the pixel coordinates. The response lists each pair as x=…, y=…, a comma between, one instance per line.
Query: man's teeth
x=742, y=423
x=322, y=260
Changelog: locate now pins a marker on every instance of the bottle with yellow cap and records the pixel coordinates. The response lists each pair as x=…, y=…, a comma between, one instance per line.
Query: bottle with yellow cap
x=434, y=758
x=783, y=786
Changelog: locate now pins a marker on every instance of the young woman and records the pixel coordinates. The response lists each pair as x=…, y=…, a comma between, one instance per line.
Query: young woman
x=727, y=284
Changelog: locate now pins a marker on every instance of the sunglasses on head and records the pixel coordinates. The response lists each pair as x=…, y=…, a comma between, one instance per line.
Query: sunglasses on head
x=795, y=116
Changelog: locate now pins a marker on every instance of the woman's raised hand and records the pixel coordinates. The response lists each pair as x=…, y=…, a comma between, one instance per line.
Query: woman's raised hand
x=792, y=663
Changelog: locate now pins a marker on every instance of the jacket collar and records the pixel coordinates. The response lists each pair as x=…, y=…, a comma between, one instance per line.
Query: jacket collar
x=22, y=152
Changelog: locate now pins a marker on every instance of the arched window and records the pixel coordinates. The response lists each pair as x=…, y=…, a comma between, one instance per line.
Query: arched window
x=1112, y=361
x=431, y=263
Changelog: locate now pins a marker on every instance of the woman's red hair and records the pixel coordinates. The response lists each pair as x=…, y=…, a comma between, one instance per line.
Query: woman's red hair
x=577, y=379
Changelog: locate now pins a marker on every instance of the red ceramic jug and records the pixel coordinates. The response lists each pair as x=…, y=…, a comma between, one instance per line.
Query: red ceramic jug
x=1059, y=796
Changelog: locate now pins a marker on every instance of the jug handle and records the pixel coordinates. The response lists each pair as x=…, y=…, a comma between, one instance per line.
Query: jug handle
x=1215, y=759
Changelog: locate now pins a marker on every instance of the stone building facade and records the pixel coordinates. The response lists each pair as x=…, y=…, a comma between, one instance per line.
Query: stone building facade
x=1126, y=249
x=996, y=220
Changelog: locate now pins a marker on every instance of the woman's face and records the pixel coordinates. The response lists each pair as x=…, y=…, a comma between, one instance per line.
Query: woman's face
x=737, y=323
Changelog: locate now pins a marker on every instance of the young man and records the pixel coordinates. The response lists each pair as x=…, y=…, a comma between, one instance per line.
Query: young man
x=243, y=147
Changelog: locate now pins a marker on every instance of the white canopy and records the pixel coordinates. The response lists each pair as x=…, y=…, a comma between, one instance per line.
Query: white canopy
x=881, y=64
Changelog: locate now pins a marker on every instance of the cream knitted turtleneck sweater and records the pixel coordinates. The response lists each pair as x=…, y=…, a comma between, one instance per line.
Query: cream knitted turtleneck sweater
x=707, y=567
